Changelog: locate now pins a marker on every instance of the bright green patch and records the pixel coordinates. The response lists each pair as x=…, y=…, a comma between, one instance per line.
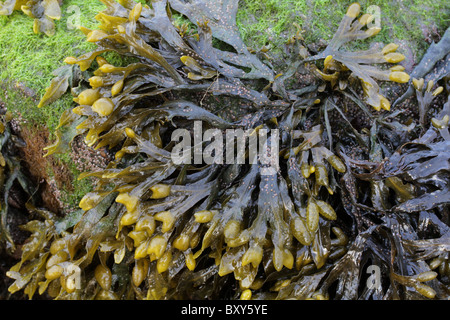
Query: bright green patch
x=30, y=58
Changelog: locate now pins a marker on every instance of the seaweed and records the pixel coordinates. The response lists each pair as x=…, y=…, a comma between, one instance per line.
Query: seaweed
x=360, y=63
x=43, y=12
x=221, y=19
x=433, y=66
x=324, y=203
x=425, y=97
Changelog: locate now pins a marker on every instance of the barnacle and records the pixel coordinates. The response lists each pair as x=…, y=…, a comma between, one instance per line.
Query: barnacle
x=43, y=12
x=337, y=61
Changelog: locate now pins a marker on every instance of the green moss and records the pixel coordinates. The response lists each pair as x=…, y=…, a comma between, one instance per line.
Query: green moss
x=30, y=58
x=269, y=22
x=410, y=21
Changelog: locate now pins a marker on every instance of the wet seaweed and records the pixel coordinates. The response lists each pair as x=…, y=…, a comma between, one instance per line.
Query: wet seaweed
x=341, y=201
x=434, y=65
x=44, y=12
x=337, y=60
